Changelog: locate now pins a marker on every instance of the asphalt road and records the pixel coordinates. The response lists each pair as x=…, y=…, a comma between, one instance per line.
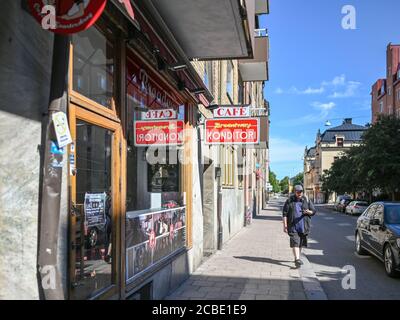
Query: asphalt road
x=331, y=248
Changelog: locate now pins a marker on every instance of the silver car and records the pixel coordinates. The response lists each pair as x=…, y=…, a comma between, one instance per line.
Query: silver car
x=356, y=207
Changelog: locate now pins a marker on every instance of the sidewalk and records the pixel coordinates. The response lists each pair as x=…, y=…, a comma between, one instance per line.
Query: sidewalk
x=257, y=264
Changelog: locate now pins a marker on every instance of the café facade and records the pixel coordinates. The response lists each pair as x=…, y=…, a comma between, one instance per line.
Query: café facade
x=128, y=199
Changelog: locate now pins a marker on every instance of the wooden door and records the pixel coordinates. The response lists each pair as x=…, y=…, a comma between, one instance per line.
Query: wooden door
x=95, y=193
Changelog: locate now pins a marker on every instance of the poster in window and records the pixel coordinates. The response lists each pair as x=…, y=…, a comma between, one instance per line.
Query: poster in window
x=95, y=209
x=152, y=237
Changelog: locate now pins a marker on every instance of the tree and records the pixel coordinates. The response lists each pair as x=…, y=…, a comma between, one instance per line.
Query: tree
x=298, y=179
x=274, y=182
x=381, y=162
x=373, y=165
x=284, y=184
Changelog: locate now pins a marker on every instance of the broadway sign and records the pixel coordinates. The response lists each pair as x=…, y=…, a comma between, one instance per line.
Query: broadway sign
x=158, y=133
x=233, y=131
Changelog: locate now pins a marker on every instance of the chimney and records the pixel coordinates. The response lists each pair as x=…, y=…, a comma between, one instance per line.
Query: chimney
x=348, y=121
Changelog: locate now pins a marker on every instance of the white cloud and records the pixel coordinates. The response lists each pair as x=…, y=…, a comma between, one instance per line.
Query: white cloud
x=308, y=91
x=324, y=106
x=350, y=90
x=284, y=150
x=339, y=87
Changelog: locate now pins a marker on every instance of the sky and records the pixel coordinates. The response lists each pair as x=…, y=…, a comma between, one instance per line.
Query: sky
x=320, y=71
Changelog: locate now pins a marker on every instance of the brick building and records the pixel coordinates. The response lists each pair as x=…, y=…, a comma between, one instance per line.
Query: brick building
x=386, y=92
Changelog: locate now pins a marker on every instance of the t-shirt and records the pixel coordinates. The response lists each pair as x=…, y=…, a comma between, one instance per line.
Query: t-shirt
x=298, y=225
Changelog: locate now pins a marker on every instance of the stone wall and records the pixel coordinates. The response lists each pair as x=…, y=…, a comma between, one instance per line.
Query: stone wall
x=25, y=55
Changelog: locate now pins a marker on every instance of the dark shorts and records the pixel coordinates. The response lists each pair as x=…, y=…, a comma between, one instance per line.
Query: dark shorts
x=298, y=240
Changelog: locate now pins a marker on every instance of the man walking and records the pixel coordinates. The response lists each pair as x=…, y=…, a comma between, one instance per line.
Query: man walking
x=297, y=213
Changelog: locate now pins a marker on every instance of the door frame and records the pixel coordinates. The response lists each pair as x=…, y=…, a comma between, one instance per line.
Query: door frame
x=77, y=112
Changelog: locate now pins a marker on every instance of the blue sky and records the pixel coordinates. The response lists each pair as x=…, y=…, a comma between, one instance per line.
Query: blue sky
x=320, y=71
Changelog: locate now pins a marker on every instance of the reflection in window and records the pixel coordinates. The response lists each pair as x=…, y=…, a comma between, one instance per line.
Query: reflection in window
x=93, y=66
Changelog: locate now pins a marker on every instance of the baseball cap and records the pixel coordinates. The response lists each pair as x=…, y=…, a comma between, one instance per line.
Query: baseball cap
x=298, y=188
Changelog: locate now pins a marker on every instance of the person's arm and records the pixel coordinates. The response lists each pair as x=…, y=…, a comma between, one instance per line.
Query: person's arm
x=284, y=215
x=311, y=209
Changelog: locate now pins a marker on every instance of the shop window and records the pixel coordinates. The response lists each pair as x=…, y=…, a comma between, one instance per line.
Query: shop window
x=93, y=66
x=156, y=212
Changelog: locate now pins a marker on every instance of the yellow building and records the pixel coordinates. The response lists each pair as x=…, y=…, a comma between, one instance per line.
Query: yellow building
x=330, y=146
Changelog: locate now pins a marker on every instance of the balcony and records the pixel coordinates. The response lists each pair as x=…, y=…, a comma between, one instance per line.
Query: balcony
x=256, y=69
x=262, y=7
x=209, y=29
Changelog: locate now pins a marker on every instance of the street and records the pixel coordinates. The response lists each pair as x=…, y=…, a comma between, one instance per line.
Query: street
x=331, y=247
x=266, y=271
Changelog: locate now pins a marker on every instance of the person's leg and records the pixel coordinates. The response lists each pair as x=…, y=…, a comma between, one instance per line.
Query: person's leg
x=296, y=253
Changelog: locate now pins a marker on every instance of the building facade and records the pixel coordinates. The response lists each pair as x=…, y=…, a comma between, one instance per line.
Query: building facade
x=133, y=222
x=330, y=146
x=386, y=92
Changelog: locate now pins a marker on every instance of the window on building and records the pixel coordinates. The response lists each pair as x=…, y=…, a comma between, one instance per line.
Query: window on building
x=390, y=91
x=208, y=75
x=382, y=91
x=229, y=79
x=340, y=142
x=398, y=113
x=390, y=110
x=155, y=205
x=398, y=75
x=93, y=74
x=381, y=107
x=398, y=95
x=228, y=166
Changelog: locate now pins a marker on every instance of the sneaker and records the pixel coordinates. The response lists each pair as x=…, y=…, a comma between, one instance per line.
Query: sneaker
x=298, y=263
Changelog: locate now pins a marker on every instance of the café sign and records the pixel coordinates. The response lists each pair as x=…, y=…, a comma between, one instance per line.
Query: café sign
x=158, y=133
x=160, y=114
x=232, y=131
x=67, y=16
x=232, y=112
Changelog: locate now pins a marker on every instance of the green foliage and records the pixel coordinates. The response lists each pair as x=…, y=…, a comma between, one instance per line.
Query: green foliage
x=284, y=184
x=298, y=179
x=274, y=182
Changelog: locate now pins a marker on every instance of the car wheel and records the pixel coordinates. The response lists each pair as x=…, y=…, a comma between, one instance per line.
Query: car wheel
x=389, y=262
x=359, y=249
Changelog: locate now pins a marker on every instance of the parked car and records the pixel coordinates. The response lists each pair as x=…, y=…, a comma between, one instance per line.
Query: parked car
x=378, y=233
x=341, y=207
x=339, y=200
x=356, y=207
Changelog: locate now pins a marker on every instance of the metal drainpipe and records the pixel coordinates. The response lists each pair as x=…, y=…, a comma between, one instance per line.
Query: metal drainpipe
x=219, y=208
x=49, y=275
x=218, y=174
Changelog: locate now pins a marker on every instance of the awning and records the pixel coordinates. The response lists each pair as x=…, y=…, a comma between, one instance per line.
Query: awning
x=210, y=29
x=256, y=69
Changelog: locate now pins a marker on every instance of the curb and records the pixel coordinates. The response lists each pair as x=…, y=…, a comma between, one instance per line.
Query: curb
x=311, y=284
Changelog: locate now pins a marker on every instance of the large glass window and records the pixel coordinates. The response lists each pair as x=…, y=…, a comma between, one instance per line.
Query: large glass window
x=156, y=215
x=93, y=66
x=92, y=230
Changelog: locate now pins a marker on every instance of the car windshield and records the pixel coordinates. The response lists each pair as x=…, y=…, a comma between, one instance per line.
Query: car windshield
x=392, y=214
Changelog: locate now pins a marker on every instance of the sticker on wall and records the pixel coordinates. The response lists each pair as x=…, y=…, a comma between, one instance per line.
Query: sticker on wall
x=62, y=129
x=72, y=170
x=67, y=16
x=56, y=150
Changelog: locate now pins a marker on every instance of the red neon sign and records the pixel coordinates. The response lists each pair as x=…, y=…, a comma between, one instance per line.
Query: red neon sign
x=233, y=131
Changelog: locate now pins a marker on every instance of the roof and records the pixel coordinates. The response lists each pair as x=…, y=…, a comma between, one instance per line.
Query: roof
x=351, y=132
x=311, y=152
